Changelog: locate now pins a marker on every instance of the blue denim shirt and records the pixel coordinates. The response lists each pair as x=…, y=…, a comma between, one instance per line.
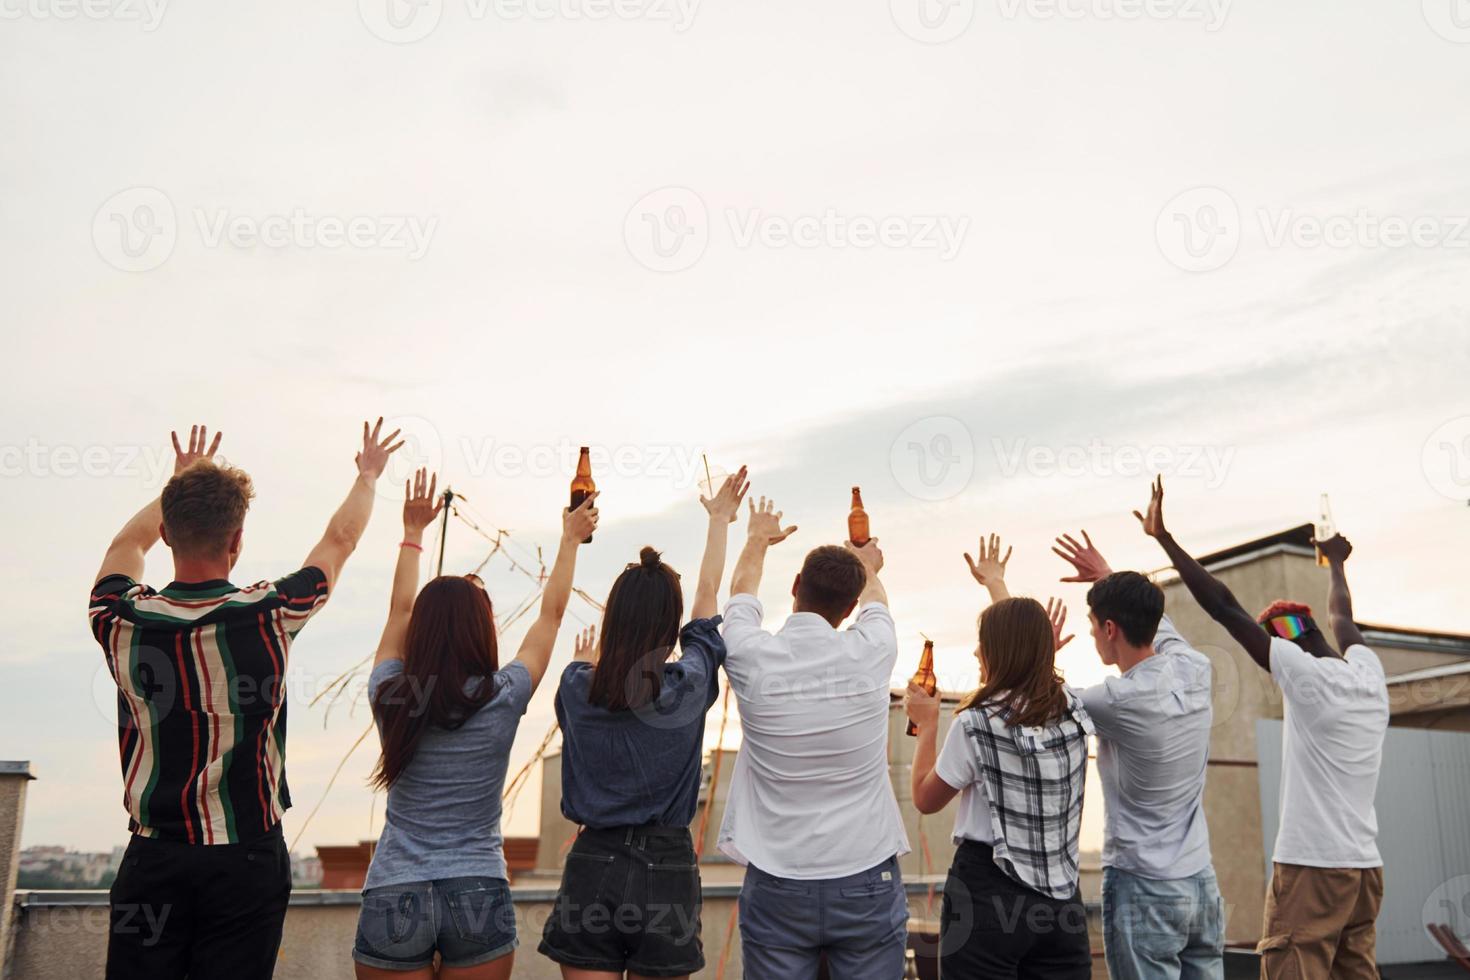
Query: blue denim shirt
x=640, y=765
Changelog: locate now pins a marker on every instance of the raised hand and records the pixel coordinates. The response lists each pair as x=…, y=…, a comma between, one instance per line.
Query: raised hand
x=990, y=569
x=1056, y=611
x=372, y=459
x=585, y=645
x=578, y=525
x=1085, y=558
x=725, y=505
x=185, y=458
x=1153, y=521
x=869, y=554
x=765, y=523
x=921, y=707
x=1335, y=549
x=421, y=503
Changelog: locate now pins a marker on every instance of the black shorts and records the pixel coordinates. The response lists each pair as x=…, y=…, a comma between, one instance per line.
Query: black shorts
x=629, y=900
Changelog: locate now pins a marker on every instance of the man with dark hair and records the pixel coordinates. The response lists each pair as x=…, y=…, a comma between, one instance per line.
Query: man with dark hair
x=811, y=811
x=201, y=713
x=1162, y=914
x=1327, y=874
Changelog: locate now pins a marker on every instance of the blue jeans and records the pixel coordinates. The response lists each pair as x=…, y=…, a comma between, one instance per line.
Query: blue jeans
x=860, y=922
x=1153, y=930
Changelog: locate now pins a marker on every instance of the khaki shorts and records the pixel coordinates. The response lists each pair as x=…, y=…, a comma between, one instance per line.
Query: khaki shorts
x=1320, y=923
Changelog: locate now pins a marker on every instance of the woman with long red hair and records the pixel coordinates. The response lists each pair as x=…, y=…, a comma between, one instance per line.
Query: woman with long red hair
x=1016, y=755
x=447, y=714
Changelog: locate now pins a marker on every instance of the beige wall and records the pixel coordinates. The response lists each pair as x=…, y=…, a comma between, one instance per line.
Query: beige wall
x=12, y=819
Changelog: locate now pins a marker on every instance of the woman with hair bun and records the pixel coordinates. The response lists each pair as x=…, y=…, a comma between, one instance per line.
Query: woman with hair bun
x=632, y=726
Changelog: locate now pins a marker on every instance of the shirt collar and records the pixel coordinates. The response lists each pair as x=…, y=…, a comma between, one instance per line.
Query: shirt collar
x=214, y=586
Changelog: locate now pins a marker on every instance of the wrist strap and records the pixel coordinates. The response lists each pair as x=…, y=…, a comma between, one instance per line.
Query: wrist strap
x=410, y=544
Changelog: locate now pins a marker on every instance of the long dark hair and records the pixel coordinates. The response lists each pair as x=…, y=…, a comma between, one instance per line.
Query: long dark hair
x=1018, y=651
x=639, y=630
x=451, y=639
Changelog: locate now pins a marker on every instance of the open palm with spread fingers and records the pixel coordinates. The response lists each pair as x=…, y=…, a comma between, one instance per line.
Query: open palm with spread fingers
x=1086, y=559
x=765, y=522
x=372, y=459
x=725, y=505
x=1056, y=611
x=185, y=458
x=989, y=569
x=421, y=503
x=1153, y=521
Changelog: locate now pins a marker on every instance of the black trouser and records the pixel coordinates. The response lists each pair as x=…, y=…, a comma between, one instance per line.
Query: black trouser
x=994, y=927
x=199, y=911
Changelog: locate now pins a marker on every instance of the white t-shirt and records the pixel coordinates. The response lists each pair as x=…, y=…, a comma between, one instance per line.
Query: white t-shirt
x=1332, y=748
x=1153, y=726
x=958, y=766
x=810, y=797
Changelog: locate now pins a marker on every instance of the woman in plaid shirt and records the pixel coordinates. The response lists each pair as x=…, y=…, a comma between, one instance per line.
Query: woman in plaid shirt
x=1016, y=756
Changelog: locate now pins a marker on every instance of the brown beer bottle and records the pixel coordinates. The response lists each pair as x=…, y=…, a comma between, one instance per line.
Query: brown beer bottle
x=582, y=484
x=857, y=520
x=924, y=676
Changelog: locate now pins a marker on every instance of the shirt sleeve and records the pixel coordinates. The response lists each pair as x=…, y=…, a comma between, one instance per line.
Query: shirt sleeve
x=956, y=762
x=515, y=686
x=1097, y=701
x=302, y=594
x=102, y=608
x=742, y=623
x=1295, y=672
x=700, y=642
x=381, y=674
x=1169, y=640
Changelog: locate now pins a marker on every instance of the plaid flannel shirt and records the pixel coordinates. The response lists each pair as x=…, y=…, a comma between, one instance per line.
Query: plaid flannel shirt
x=1034, y=780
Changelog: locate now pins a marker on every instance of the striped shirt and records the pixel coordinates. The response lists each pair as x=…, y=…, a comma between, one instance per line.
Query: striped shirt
x=201, y=701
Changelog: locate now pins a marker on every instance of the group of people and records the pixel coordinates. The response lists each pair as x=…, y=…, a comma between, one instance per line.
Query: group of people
x=811, y=812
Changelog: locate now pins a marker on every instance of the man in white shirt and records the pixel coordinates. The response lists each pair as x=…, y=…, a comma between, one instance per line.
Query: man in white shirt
x=1162, y=914
x=1327, y=880
x=811, y=811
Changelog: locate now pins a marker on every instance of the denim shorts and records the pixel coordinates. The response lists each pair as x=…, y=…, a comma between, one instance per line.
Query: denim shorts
x=629, y=900
x=466, y=920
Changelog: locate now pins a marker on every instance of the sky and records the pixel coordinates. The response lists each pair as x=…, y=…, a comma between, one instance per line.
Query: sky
x=996, y=262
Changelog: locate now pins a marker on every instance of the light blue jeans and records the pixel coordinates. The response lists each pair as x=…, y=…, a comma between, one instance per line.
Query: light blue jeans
x=1153, y=930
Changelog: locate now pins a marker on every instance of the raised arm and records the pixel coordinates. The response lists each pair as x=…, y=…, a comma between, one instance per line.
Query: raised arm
x=347, y=525
x=872, y=558
x=990, y=570
x=930, y=793
x=764, y=529
x=1213, y=595
x=126, y=554
x=723, y=508
x=421, y=504
x=535, y=652
x=1339, y=600
x=1088, y=562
